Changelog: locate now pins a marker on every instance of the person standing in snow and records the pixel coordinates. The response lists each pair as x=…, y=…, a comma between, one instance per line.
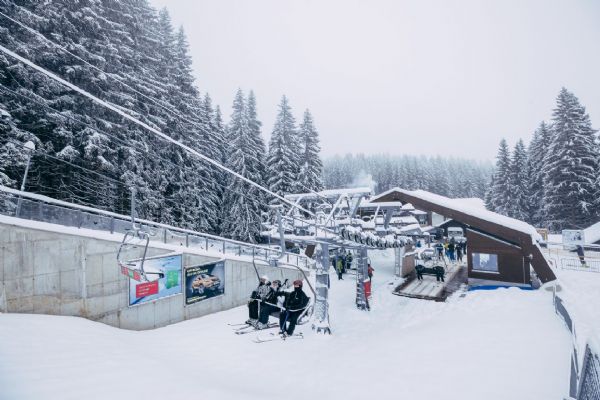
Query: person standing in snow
x=370, y=272
x=339, y=268
x=581, y=255
x=440, y=250
x=348, y=259
x=257, y=296
x=451, y=248
x=295, y=302
x=459, y=253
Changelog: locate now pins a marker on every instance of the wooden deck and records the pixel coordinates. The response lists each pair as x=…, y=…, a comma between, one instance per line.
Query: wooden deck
x=430, y=289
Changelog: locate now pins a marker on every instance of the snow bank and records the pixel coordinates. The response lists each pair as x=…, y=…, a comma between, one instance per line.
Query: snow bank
x=503, y=344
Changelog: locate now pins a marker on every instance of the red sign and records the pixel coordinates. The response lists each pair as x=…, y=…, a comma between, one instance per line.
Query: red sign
x=367, y=289
x=146, y=289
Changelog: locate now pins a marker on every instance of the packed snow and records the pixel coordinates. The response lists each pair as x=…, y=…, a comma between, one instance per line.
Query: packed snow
x=503, y=344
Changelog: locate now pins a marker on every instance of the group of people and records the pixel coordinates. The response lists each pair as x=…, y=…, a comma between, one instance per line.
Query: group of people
x=271, y=297
x=341, y=263
x=452, y=249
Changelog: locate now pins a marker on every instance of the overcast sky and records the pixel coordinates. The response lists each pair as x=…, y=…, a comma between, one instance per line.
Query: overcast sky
x=402, y=77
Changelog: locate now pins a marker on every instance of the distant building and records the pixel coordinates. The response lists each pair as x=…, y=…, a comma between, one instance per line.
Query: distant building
x=501, y=251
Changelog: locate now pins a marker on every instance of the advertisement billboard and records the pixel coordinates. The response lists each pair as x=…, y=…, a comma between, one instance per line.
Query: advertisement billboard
x=204, y=281
x=164, y=274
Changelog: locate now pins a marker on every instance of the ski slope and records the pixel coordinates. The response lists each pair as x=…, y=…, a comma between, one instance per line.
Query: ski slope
x=503, y=344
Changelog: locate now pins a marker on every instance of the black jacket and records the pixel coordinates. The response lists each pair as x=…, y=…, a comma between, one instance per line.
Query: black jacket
x=271, y=297
x=295, y=300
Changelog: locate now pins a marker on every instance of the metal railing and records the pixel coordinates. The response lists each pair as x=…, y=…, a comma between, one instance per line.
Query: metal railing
x=584, y=381
x=36, y=207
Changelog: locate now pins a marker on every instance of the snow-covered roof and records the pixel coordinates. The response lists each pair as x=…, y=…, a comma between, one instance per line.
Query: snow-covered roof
x=383, y=204
x=469, y=207
x=408, y=219
x=410, y=228
x=591, y=234
x=408, y=207
x=329, y=194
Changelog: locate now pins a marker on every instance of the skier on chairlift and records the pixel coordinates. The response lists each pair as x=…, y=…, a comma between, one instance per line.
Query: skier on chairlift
x=294, y=304
x=257, y=296
x=269, y=304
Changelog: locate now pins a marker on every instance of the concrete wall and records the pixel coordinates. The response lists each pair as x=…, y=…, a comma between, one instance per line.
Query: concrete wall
x=47, y=272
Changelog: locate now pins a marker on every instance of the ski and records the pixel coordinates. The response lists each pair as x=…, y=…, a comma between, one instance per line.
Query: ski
x=250, y=329
x=272, y=337
x=242, y=324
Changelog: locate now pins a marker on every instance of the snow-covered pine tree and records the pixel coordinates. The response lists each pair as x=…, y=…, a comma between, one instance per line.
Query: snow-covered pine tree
x=221, y=150
x=258, y=144
x=570, y=167
x=499, y=198
x=311, y=166
x=283, y=157
x=518, y=205
x=243, y=203
x=535, y=167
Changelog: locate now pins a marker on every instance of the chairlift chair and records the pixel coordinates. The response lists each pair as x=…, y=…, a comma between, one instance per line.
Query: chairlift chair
x=135, y=268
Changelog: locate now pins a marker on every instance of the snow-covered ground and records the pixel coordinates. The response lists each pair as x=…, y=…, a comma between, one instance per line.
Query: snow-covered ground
x=503, y=344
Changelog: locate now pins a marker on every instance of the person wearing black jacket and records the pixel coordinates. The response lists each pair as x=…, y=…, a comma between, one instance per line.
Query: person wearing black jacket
x=256, y=297
x=269, y=304
x=294, y=304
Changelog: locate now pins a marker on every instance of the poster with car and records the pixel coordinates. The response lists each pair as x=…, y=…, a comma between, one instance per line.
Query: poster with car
x=164, y=279
x=204, y=281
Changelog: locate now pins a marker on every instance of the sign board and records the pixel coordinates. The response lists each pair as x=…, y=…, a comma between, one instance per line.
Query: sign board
x=146, y=289
x=164, y=275
x=573, y=237
x=204, y=281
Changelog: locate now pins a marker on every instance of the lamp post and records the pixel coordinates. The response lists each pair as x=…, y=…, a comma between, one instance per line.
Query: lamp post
x=29, y=148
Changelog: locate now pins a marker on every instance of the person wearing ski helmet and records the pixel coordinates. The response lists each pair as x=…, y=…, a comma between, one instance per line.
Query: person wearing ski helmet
x=295, y=302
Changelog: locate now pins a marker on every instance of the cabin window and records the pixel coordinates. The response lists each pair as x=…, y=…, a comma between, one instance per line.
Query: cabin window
x=485, y=262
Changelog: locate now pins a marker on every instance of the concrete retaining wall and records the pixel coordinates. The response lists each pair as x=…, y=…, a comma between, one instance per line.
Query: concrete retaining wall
x=46, y=272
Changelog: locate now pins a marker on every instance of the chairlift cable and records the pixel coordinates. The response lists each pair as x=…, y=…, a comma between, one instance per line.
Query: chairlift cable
x=142, y=124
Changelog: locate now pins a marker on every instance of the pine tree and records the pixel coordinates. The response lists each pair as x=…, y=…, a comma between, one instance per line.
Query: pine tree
x=499, y=197
x=535, y=167
x=283, y=159
x=518, y=205
x=258, y=144
x=570, y=167
x=311, y=166
x=243, y=202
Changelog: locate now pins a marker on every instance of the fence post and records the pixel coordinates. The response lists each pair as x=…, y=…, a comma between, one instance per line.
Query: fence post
x=79, y=219
x=164, y=235
x=223, y=247
x=187, y=240
x=206, y=244
x=112, y=224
